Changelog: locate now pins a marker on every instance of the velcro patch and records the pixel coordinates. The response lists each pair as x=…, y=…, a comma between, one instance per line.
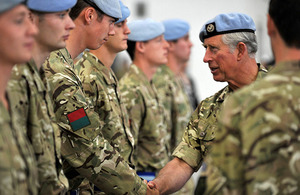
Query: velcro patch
x=78, y=119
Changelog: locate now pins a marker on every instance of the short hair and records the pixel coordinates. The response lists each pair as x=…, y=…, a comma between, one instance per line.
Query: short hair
x=285, y=15
x=39, y=14
x=131, y=48
x=80, y=5
x=248, y=38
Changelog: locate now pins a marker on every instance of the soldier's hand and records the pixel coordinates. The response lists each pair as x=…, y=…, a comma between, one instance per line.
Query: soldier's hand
x=152, y=191
x=152, y=185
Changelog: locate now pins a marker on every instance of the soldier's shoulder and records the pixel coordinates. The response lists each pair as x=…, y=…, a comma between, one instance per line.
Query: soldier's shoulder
x=128, y=79
x=58, y=59
x=20, y=71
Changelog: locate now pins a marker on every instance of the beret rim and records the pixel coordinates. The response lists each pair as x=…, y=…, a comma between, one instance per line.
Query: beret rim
x=203, y=36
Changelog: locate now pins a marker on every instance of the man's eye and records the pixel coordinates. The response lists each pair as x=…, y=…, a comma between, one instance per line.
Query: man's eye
x=213, y=49
x=118, y=25
x=62, y=15
x=19, y=20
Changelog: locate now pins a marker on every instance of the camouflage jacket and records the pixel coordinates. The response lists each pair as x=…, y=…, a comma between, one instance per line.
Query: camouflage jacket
x=102, y=90
x=146, y=120
x=176, y=103
x=33, y=110
x=84, y=148
x=257, y=144
x=18, y=172
x=201, y=128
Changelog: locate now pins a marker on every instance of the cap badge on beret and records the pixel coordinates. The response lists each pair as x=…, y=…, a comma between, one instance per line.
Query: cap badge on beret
x=210, y=27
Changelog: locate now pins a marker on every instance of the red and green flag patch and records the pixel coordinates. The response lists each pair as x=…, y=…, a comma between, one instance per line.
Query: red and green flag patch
x=78, y=119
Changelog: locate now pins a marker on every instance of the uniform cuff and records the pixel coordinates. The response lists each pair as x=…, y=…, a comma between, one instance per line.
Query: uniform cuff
x=188, y=154
x=141, y=188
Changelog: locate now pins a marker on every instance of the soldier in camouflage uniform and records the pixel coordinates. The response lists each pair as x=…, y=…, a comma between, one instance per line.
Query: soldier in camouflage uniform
x=29, y=99
x=231, y=58
x=85, y=151
x=102, y=88
x=18, y=172
x=257, y=145
x=175, y=101
x=168, y=83
x=148, y=51
x=169, y=86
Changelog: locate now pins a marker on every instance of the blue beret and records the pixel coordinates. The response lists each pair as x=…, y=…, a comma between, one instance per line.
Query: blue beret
x=144, y=30
x=175, y=29
x=50, y=5
x=227, y=23
x=125, y=12
x=9, y=4
x=109, y=7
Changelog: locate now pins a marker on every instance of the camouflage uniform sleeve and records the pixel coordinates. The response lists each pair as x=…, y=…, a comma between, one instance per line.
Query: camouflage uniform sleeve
x=200, y=132
x=190, y=149
x=83, y=145
x=103, y=165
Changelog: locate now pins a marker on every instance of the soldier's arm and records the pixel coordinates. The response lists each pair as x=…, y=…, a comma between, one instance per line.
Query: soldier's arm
x=83, y=145
x=98, y=161
x=172, y=177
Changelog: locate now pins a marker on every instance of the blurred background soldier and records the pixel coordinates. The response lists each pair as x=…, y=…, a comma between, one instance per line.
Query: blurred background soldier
x=18, y=169
x=148, y=50
x=170, y=87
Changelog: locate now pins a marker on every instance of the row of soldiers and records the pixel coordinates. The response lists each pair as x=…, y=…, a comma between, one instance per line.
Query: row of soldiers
x=69, y=125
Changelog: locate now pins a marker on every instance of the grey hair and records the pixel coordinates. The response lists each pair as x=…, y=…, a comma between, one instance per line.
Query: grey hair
x=232, y=39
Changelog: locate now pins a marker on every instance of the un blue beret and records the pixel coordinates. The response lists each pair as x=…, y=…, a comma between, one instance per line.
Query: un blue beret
x=109, y=7
x=175, y=29
x=144, y=30
x=8, y=4
x=125, y=12
x=227, y=23
x=50, y=5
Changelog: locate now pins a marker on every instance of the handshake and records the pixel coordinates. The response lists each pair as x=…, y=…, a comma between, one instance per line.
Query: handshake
x=151, y=188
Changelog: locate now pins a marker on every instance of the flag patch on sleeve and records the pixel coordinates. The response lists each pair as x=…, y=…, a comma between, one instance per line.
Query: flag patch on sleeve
x=78, y=119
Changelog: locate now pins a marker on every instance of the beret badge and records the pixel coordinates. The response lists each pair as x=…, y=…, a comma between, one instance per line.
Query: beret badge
x=210, y=27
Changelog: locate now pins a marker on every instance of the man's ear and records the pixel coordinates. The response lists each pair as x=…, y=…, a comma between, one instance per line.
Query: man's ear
x=34, y=18
x=89, y=14
x=140, y=47
x=271, y=26
x=242, y=49
x=171, y=45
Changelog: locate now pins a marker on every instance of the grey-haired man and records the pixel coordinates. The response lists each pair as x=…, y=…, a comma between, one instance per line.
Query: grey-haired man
x=230, y=45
